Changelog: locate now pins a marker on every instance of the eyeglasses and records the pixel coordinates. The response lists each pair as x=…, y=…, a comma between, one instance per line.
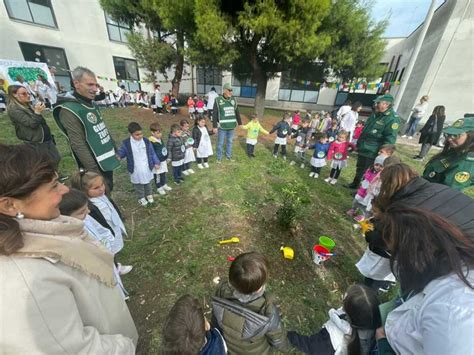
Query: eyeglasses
x=453, y=136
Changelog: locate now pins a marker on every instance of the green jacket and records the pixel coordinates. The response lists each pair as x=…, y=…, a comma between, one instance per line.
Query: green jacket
x=457, y=173
x=381, y=128
x=242, y=332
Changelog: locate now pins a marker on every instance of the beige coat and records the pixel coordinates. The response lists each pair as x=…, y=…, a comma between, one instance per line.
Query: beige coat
x=57, y=295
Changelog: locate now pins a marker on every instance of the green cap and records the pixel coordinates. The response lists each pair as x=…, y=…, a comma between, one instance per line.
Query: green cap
x=386, y=98
x=227, y=86
x=460, y=126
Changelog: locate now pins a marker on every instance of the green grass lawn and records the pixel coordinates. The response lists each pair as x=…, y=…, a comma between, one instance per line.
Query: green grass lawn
x=174, y=245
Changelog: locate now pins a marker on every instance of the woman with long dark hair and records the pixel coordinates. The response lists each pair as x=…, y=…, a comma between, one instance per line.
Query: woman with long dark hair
x=434, y=264
x=454, y=166
x=431, y=131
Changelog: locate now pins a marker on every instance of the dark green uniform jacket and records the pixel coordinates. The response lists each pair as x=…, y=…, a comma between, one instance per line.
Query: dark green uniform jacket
x=381, y=128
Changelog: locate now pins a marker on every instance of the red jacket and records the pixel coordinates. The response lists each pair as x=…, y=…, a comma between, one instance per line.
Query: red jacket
x=357, y=132
x=339, y=150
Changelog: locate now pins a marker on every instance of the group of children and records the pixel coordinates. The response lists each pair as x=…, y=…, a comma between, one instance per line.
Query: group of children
x=196, y=107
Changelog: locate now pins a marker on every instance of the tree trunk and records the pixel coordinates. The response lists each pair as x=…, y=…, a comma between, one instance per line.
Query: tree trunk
x=178, y=72
x=261, y=80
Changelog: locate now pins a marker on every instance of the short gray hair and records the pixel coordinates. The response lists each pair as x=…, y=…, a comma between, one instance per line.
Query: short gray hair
x=79, y=72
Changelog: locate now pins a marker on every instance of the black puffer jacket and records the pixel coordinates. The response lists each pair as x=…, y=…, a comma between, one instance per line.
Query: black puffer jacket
x=441, y=199
x=176, y=148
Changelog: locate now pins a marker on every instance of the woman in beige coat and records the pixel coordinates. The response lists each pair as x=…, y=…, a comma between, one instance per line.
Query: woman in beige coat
x=58, y=293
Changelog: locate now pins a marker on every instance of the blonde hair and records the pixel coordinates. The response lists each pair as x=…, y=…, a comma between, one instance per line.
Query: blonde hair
x=82, y=179
x=424, y=98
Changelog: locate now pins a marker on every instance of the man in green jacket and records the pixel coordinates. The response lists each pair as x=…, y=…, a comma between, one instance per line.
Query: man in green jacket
x=381, y=128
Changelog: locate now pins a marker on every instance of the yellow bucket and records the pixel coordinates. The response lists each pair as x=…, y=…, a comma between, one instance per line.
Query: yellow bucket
x=288, y=253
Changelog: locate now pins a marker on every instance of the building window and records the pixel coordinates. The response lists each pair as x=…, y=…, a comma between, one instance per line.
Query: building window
x=117, y=30
x=126, y=71
x=39, y=12
x=53, y=57
x=244, y=87
x=208, y=77
x=292, y=88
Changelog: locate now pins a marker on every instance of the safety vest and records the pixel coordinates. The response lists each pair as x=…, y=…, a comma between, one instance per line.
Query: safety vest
x=227, y=116
x=97, y=135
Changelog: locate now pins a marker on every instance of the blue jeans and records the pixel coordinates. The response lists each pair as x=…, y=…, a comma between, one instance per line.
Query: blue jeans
x=177, y=173
x=229, y=136
x=412, y=123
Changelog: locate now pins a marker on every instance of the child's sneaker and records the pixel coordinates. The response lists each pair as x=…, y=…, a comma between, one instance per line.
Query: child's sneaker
x=316, y=175
x=275, y=156
x=284, y=157
x=143, y=202
x=329, y=179
x=292, y=162
x=302, y=166
x=167, y=188
x=206, y=165
x=200, y=166
x=185, y=172
x=350, y=212
x=177, y=182
x=150, y=199
x=161, y=191
x=311, y=174
x=333, y=182
x=124, y=269
x=191, y=171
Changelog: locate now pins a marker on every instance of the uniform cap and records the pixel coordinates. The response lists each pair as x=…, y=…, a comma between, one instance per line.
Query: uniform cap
x=460, y=126
x=227, y=86
x=386, y=98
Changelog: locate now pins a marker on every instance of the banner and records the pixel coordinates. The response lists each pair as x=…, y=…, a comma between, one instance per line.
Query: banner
x=10, y=69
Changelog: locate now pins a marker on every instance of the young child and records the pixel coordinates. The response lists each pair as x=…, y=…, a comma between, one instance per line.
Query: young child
x=75, y=204
x=191, y=108
x=187, y=331
x=176, y=152
x=338, y=151
x=325, y=123
x=243, y=299
x=357, y=131
x=161, y=152
x=314, y=123
x=141, y=160
x=295, y=121
x=319, y=156
x=200, y=106
x=202, y=142
x=253, y=128
x=283, y=131
x=302, y=138
x=102, y=209
x=388, y=150
x=332, y=131
x=188, y=141
x=174, y=105
x=349, y=330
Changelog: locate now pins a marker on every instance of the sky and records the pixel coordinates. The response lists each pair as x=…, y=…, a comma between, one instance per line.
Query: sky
x=404, y=15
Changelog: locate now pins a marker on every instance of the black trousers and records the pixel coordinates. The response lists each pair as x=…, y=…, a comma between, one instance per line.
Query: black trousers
x=363, y=163
x=160, y=179
x=108, y=179
x=283, y=149
x=335, y=172
x=250, y=149
x=316, y=170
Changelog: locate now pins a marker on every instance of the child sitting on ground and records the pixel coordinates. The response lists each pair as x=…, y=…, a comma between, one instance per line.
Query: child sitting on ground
x=319, y=156
x=302, y=139
x=349, y=330
x=357, y=131
x=338, y=151
x=103, y=210
x=187, y=332
x=174, y=105
x=191, y=108
x=244, y=312
x=176, y=150
x=253, y=128
x=283, y=131
x=75, y=204
x=161, y=152
x=188, y=143
x=141, y=160
x=202, y=142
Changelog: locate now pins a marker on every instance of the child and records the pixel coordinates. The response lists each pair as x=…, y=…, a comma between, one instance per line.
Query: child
x=187, y=331
x=295, y=122
x=189, y=152
x=314, y=123
x=253, y=128
x=161, y=152
x=202, y=142
x=200, y=106
x=191, y=108
x=176, y=150
x=332, y=131
x=338, y=151
x=174, y=105
x=283, y=131
x=166, y=103
x=243, y=299
x=302, y=138
x=349, y=330
x=325, y=123
x=319, y=156
x=357, y=131
x=388, y=150
x=141, y=160
x=102, y=209
x=75, y=204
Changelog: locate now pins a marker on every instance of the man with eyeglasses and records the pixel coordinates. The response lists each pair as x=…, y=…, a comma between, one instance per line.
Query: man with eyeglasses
x=454, y=166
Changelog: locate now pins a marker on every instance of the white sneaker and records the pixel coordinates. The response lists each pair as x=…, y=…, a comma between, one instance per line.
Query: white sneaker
x=311, y=174
x=191, y=171
x=206, y=165
x=292, y=162
x=124, y=269
x=142, y=202
x=167, y=188
x=185, y=173
x=161, y=191
x=150, y=199
x=410, y=137
x=404, y=136
x=284, y=157
x=333, y=182
x=329, y=179
x=316, y=175
x=302, y=166
x=275, y=156
x=200, y=166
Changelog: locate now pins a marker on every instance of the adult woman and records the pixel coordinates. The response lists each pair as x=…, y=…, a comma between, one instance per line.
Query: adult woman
x=454, y=166
x=349, y=119
x=417, y=114
x=431, y=131
x=59, y=294
x=434, y=263
x=30, y=125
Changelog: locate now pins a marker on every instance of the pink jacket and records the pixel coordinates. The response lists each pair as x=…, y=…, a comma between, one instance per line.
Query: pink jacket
x=339, y=150
x=296, y=119
x=369, y=176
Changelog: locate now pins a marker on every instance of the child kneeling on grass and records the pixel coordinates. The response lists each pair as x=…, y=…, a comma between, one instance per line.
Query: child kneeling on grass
x=349, y=330
x=187, y=332
x=141, y=160
x=253, y=128
x=244, y=312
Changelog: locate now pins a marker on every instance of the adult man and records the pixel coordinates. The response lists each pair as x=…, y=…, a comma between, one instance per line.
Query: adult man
x=211, y=98
x=80, y=120
x=225, y=117
x=381, y=128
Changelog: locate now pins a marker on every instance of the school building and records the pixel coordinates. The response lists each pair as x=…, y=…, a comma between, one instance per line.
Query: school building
x=66, y=34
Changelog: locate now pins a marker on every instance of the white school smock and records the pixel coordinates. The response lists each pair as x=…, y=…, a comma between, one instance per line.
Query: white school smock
x=205, y=147
x=141, y=169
